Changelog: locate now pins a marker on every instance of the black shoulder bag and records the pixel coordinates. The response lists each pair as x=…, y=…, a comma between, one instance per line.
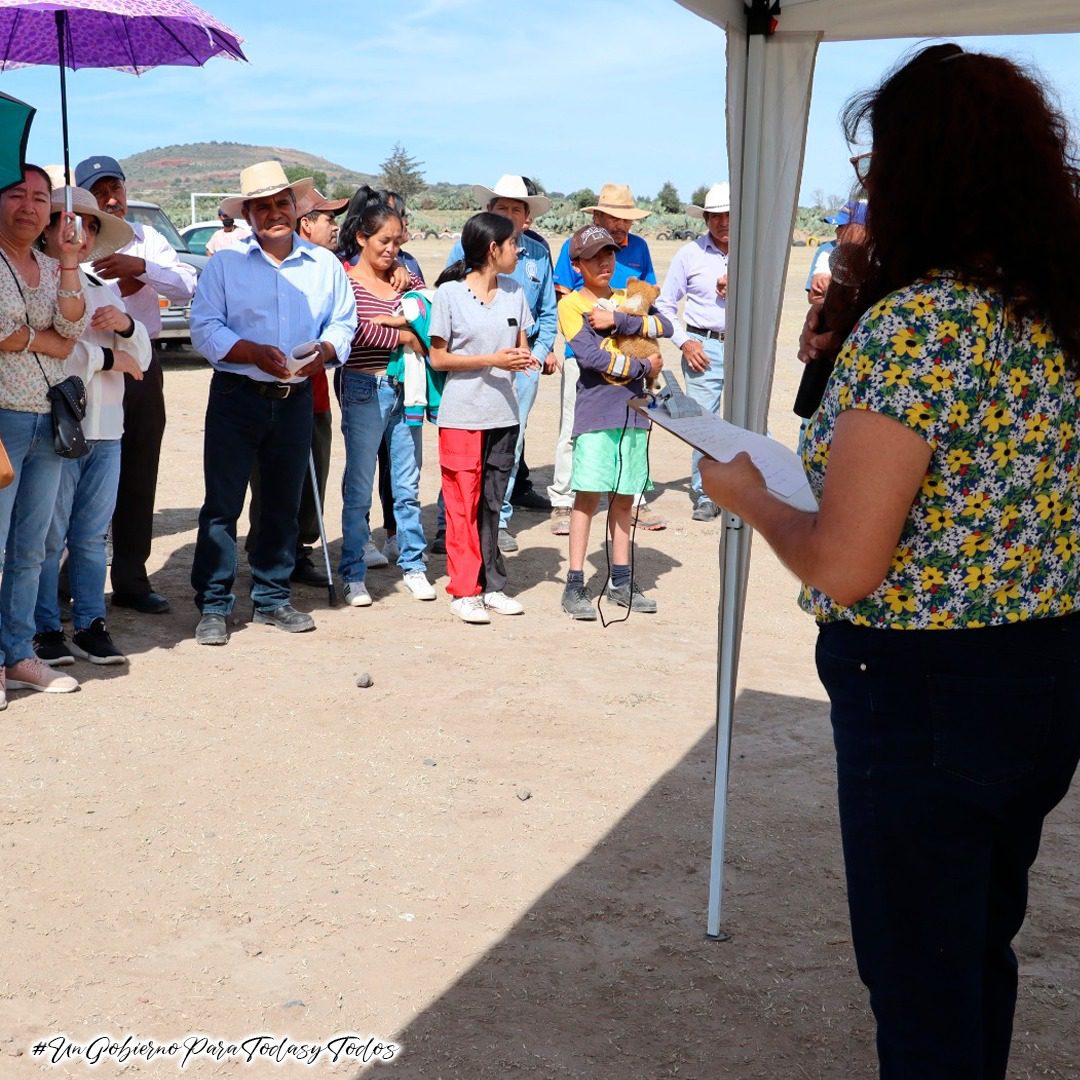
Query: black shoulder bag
x=67, y=398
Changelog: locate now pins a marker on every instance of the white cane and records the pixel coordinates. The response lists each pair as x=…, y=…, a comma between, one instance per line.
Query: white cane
x=322, y=528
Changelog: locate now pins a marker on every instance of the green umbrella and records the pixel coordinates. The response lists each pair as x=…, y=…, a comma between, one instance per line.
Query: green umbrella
x=15, y=118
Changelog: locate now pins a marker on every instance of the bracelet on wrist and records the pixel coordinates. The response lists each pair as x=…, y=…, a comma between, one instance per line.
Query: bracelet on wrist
x=69, y=269
x=69, y=294
x=30, y=339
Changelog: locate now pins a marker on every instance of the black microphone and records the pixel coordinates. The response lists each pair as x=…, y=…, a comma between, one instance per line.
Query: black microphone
x=846, y=262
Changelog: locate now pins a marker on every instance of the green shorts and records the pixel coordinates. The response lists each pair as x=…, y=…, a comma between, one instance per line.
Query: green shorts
x=603, y=463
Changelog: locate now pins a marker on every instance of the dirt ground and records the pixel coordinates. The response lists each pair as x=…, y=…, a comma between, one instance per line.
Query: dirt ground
x=494, y=858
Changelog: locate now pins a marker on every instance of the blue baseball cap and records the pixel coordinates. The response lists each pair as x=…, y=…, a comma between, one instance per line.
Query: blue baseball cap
x=93, y=169
x=849, y=214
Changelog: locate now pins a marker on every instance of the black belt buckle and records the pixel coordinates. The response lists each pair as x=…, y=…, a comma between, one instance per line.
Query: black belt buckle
x=274, y=390
x=717, y=334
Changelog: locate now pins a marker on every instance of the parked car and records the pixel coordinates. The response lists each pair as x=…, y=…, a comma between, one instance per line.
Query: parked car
x=196, y=236
x=175, y=318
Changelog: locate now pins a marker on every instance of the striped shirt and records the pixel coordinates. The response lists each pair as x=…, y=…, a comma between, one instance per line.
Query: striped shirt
x=372, y=344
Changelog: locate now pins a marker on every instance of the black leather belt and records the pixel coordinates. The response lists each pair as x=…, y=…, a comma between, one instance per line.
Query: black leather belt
x=273, y=390
x=717, y=334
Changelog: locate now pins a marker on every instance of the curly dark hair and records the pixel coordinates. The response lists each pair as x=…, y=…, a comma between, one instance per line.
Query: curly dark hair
x=972, y=170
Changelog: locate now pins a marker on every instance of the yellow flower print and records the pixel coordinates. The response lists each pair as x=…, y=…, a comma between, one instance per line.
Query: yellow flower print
x=981, y=311
x=1019, y=380
x=895, y=375
x=900, y=559
x=821, y=454
x=1032, y=558
x=1016, y=616
x=1065, y=429
x=959, y=414
x=883, y=309
x=1045, y=471
x=844, y=397
x=1038, y=427
x=976, y=504
x=975, y=542
x=864, y=366
x=920, y=305
x=933, y=486
x=920, y=416
x=1047, y=504
x=948, y=330
x=1046, y=601
x=941, y=620
x=1010, y=515
x=931, y=578
x=899, y=599
x=1065, y=547
x=1009, y=591
x=938, y=518
x=958, y=461
x=1040, y=335
x=905, y=343
x=1014, y=556
x=978, y=353
x=1055, y=368
x=861, y=620
x=1065, y=605
x=1005, y=453
x=997, y=418
x=938, y=378
x=978, y=577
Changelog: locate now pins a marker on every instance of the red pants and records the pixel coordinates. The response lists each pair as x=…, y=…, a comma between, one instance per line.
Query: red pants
x=475, y=471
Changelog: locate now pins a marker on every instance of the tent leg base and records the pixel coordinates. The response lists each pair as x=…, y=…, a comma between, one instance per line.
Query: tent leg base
x=720, y=935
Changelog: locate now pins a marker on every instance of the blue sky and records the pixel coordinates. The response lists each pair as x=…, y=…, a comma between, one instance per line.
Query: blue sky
x=576, y=94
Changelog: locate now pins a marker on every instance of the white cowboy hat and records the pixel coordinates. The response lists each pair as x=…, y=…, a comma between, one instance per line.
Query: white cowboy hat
x=260, y=180
x=617, y=200
x=717, y=201
x=113, y=232
x=512, y=187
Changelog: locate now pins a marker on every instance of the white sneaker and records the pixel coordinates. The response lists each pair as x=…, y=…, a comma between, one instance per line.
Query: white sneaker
x=35, y=674
x=502, y=604
x=390, y=549
x=417, y=583
x=356, y=594
x=3, y=689
x=470, y=609
x=373, y=557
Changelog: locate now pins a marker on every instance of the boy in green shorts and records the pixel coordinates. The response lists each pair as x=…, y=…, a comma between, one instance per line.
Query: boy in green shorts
x=610, y=439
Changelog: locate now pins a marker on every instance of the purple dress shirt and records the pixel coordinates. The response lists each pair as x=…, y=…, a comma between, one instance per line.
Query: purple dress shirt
x=693, y=273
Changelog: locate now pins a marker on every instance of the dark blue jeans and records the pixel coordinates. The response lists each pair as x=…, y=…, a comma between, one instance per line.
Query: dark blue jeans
x=952, y=746
x=243, y=427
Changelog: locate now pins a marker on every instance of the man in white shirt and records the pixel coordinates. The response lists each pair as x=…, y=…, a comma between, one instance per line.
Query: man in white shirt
x=231, y=233
x=143, y=270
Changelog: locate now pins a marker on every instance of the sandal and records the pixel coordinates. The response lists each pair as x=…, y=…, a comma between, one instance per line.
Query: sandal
x=647, y=518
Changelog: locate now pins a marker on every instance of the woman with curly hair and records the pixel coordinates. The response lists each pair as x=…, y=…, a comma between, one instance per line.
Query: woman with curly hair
x=943, y=562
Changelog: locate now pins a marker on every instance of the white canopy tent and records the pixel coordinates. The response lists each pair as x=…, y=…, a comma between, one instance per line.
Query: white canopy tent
x=771, y=50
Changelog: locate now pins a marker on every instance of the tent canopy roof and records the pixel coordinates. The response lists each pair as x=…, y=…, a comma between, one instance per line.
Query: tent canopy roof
x=843, y=20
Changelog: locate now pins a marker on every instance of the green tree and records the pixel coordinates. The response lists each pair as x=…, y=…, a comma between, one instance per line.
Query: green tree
x=298, y=172
x=668, y=198
x=402, y=173
x=698, y=198
x=583, y=197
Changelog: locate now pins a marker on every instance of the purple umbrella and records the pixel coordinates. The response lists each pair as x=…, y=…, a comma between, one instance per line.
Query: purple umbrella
x=129, y=35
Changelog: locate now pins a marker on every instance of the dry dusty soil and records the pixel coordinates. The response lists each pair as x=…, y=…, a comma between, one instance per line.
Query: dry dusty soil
x=495, y=857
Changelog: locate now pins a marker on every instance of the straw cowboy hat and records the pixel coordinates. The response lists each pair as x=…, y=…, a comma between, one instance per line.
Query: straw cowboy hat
x=113, y=232
x=513, y=187
x=617, y=200
x=717, y=201
x=263, y=179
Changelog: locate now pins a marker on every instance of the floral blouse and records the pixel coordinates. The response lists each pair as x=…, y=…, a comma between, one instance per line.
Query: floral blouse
x=22, y=387
x=993, y=535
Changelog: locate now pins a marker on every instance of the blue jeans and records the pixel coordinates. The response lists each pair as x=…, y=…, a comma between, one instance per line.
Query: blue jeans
x=243, y=427
x=706, y=388
x=84, y=507
x=373, y=407
x=526, y=385
x=952, y=746
x=26, y=508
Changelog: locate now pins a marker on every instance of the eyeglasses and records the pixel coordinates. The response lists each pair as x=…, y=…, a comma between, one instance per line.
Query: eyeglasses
x=861, y=164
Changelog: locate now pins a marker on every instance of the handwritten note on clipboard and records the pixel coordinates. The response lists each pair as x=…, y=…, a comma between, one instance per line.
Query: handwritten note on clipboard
x=781, y=468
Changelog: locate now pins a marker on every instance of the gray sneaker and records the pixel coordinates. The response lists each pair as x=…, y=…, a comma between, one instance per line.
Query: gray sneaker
x=636, y=601
x=506, y=541
x=705, y=509
x=577, y=603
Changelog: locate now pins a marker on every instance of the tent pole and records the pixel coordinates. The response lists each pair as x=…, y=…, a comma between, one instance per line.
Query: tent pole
x=61, y=35
x=736, y=536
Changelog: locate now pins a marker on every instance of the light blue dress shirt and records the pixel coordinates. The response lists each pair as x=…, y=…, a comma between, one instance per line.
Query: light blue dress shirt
x=534, y=274
x=243, y=295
